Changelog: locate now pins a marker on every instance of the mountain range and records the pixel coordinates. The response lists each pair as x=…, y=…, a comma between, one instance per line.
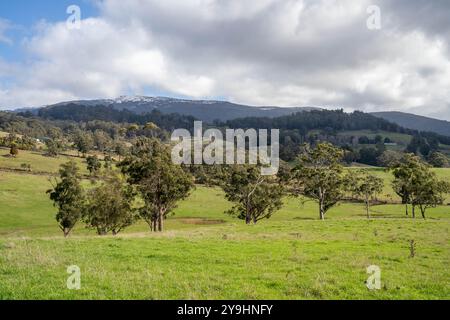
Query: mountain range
x=210, y=110
x=205, y=110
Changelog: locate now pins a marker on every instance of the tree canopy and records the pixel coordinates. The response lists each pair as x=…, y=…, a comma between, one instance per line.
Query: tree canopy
x=255, y=197
x=68, y=196
x=320, y=177
x=160, y=183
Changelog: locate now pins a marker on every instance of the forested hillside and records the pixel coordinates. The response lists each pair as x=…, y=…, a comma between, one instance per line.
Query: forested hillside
x=416, y=122
x=365, y=138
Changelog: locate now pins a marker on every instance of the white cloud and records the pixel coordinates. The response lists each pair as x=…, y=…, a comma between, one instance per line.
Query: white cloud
x=269, y=52
x=5, y=25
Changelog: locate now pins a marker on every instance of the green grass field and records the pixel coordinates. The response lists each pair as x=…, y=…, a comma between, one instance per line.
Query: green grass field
x=38, y=162
x=400, y=138
x=205, y=254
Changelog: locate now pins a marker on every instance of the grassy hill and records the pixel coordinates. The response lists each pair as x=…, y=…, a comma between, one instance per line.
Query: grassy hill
x=206, y=254
x=39, y=163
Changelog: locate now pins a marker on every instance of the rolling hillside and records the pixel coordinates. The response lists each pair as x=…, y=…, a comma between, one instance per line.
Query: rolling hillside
x=412, y=121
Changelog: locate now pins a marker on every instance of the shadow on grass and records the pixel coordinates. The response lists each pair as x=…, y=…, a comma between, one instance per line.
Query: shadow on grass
x=200, y=221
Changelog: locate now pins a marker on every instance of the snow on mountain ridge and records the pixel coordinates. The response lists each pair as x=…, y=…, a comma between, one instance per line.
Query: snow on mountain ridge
x=146, y=99
x=205, y=110
x=134, y=99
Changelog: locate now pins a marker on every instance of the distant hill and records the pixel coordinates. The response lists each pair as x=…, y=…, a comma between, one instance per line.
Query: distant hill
x=200, y=109
x=211, y=110
x=412, y=121
x=82, y=113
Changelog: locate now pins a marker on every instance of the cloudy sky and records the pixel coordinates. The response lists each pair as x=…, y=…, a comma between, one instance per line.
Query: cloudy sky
x=265, y=52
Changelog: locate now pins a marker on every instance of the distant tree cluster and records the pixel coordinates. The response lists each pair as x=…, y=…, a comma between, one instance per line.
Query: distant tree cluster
x=19, y=142
x=378, y=139
x=110, y=131
x=424, y=145
x=324, y=126
x=81, y=113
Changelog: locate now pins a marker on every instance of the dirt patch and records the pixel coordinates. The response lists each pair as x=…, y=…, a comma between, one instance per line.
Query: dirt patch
x=200, y=221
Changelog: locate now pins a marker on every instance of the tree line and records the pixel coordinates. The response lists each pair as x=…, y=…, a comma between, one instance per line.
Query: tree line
x=146, y=185
x=107, y=130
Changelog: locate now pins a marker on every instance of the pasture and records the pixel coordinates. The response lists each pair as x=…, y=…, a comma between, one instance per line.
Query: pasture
x=206, y=254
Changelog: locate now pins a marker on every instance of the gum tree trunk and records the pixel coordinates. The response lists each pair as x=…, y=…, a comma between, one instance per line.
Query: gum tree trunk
x=321, y=210
x=367, y=210
x=321, y=204
x=248, y=219
x=161, y=214
x=422, y=210
x=66, y=232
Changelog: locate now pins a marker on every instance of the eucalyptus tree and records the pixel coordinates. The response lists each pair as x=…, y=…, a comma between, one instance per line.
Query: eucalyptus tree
x=160, y=183
x=418, y=185
x=364, y=185
x=255, y=196
x=109, y=206
x=68, y=196
x=319, y=176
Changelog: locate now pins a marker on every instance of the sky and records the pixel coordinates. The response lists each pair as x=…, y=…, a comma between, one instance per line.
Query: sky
x=369, y=55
